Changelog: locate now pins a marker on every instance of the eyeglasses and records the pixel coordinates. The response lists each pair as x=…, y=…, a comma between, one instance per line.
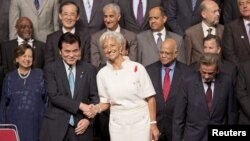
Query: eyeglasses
x=24, y=27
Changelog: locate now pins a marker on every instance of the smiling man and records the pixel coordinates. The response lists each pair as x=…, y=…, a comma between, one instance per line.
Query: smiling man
x=69, y=14
x=70, y=85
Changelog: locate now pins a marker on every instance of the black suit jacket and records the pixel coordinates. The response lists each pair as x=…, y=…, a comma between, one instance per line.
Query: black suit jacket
x=191, y=116
x=61, y=104
x=128, y=19
x=230, y=10
x=7, y=52
x=52, y=50
x=4, y=22
x=165, y=110
x=235, y=44
x=243, y=93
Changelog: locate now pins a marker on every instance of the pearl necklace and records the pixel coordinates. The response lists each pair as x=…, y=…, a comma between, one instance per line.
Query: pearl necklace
x=23, y=76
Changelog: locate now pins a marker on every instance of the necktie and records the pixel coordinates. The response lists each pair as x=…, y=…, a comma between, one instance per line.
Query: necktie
x=249, y=32
x=88, y=9
x=139, y=19
x=36, y=2
x=159, y=40
x=72, y=87
x=209, y=31
x=193, y=4
x=209, y=96
x=166, y=84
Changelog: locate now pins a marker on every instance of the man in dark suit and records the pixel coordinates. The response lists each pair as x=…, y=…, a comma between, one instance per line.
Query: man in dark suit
x=205, y=98
x=230, y=11
x=70, y=85
x=211, y=44
x=129, y=10
x=91, y=16
x=24, y=29
x=69, y=14
x=165, y=108
x=4, y=22
x=243, y=93
x=182, y=14
x=193, y=38
x=112, y=16
x=236, y=37
x=149, y=41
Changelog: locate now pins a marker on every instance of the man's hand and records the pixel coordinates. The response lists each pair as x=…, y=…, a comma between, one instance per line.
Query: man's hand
x=82, y=126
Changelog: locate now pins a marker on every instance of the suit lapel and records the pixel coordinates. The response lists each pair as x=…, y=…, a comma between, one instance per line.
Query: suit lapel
x=64, y=77
x=42, y=6
x=151, y=41
x=130, y=9
x=157, y=72
x=175, y=80
x=32, y=6
x=96, y=4
x=79, y=77
x=243, y=33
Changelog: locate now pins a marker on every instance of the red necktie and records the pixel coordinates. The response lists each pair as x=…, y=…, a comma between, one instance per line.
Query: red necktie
x=166, y=84
x=209, y=96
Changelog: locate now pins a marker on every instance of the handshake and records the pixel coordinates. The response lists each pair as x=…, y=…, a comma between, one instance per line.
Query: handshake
x=90, y=110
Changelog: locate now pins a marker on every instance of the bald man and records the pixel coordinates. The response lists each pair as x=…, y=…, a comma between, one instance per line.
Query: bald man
x=168, y=53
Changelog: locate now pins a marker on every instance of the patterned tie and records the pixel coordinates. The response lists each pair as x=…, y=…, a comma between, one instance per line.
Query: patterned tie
x=159, y=40
x=139, y=19
x=36, y=2
x=209, y=31
x=88, y=9
x=249, y=32
x=72, y=87
x=209, y=96
x=193, y=4
x=166, y=84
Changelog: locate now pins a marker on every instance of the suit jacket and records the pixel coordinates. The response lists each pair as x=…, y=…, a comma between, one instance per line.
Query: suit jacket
x=243, y=93
x=96, y=18
x=235, y=44
x=45, y=20
x=98, y=58
x=61, y=104
x=52, y=50
x=181, y=16
x=128, y=19
x=148, y=51
x=4, y=22
x=230, y=11
x=165, y=109
x=191, y=115
x=193, y=41
x=7, y=52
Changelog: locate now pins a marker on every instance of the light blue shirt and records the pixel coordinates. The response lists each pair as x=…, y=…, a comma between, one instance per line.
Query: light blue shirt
x=171, y=72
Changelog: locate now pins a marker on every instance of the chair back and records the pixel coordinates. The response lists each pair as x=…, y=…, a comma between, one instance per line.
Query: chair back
x=8, y=132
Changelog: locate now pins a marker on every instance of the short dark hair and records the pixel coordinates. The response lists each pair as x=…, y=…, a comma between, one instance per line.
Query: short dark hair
x=210, y=37
x=69, y=3
x=20, y=50
x=68, y=38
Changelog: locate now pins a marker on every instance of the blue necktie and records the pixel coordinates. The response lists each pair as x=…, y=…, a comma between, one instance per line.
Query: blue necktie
x=36, y=2
x=193, y=4
x=72, y=87
x=139, y=19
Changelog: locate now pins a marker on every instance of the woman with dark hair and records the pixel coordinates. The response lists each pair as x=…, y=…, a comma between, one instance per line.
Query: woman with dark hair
x=23, y=95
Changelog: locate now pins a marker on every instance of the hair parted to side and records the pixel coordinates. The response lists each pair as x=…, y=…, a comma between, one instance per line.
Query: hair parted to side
x=68, y=38
x=20, y=50
x=210, y=59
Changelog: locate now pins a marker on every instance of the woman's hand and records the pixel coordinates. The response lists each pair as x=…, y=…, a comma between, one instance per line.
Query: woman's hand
x=154, y=132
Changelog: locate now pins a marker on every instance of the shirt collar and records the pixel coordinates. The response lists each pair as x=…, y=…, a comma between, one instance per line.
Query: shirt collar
x=118, y=29
x=171, y=67
x=21, y=40
x=163, y=32
x=72, y=31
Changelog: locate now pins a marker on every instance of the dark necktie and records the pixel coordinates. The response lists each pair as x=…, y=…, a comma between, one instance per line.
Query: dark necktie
x=209, y=31
x=209, y=96
x=159, y=40
x=36, y=2
x=139, y=19
x=166, y=84
x=72, y=87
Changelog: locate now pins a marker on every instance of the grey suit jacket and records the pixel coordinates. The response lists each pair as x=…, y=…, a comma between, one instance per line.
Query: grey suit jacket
x=191, y=115
x=96, y=18
x=98, y=58
x=61, y=104
x=165, y=109
x=45, y=20
x=4, y=22
x=235, y=44
x=193, y=41
x=128, y=19
x=7, y=53
x=52, y=50
x=181, y=16
x=148, y=52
